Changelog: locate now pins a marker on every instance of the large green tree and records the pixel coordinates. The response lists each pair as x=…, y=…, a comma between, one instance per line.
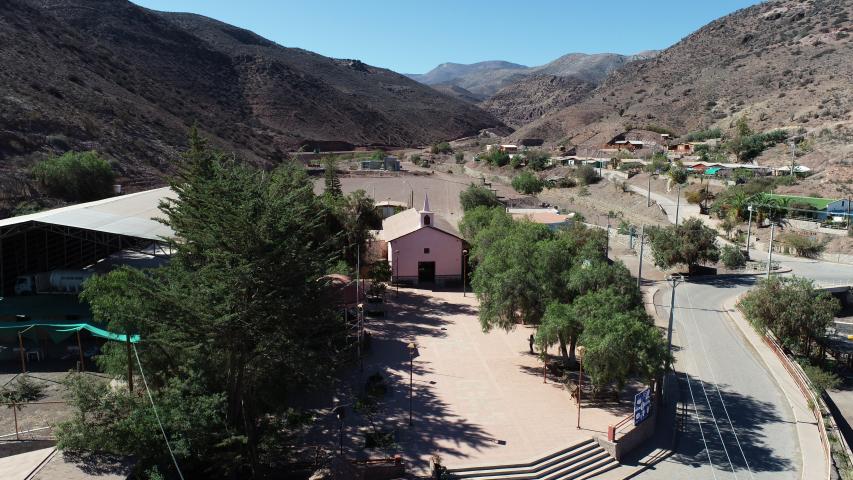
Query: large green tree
x=233, y=326
x=792, y=308
x=690, y=243
x=477, y=196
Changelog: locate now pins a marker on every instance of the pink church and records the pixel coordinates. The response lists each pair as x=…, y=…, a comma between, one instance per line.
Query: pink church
x=423, y=249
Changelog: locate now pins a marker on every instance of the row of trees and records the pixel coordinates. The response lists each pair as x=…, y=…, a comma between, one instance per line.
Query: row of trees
x=562, y=281
x=233, y=326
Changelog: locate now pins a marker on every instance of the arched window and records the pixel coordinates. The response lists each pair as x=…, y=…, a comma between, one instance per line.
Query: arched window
x=426, y=219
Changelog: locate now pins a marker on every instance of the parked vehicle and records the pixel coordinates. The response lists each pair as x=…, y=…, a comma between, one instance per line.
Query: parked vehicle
x=375, y=305
x=55, y=281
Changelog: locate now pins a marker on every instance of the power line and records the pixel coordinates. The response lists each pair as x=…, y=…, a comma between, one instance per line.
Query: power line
x=157, y=415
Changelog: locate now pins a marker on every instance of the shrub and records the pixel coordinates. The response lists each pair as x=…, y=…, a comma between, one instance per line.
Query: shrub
x=441, y=147
x=678, y=174
x=496, y=158
x=586, y=175
x=804, y=246
x=566, y=182
x=23, y=390
x=475, y=196
x=527, y=183
x=696, y=196
x=459, y=157
x=732, y=257
x=820, y=378
x=703, y=135
x=76, y=176
x=537, y=159
x=515, y=161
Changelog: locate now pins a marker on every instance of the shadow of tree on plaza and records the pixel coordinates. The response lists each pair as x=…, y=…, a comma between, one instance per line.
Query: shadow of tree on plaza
x=436, y=429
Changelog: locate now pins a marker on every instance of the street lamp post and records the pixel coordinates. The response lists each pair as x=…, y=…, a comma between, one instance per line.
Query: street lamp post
x=580, y=353
x=748, y=229
x=649, y=192
x=770, y=249
x=640, y=269
x=677, y=204
x=360, y=335
x=464, y=269
x=340, y=412
x=411, y=348
x=673, y=281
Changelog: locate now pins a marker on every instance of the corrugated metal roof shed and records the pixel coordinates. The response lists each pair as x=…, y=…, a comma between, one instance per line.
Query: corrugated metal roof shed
x=129, y=215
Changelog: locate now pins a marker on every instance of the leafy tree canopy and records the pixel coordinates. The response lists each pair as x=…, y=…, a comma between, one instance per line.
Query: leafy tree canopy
x=76, y=176
x=527, y=183
x=689, y=243
x=234, y=324
x=476, y=196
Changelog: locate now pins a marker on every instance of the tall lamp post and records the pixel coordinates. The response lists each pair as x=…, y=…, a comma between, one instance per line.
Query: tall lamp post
x=673, y=281
x=581, y=350
x=677, y=204
x=770, y=249
x=464, y=270
x=340, y=412
x=412, y=349
x=640, y=269
x=748, y=229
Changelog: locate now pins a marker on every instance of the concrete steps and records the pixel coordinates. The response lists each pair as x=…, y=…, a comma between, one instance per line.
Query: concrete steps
x=580, y=461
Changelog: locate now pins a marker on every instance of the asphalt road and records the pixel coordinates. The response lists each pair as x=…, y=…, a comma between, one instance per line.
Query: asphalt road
x=738, y=423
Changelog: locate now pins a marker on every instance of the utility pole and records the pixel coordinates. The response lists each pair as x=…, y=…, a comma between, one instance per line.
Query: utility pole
x=640, y=270
x=673, y=281
x=770, y=250
x=607, y=248
x=649, y=192
x=677, y=204
x=748, y=230
x=793, y=156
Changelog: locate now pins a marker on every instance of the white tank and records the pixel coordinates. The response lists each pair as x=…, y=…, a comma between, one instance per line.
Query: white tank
x=68, y=281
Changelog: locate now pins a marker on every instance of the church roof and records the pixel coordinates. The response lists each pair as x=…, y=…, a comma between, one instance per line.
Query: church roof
x=409, y=221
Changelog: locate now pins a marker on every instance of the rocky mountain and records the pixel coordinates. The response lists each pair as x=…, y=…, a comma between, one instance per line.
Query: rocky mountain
x=486, y=78
x=526, y=100
x=129, y=82
x=458, y=92
x=784, y=63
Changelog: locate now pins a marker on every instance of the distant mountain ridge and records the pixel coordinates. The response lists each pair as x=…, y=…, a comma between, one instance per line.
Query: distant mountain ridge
x=129, y=82
x=486, y=78
x=782, y=63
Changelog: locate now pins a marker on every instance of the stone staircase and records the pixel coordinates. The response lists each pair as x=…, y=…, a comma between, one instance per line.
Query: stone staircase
x=580, y=461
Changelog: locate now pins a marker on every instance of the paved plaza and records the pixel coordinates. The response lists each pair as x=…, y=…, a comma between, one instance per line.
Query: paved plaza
x=479, y=398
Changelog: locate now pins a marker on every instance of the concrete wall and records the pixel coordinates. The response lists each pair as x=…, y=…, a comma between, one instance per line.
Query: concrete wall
x=630, y=440
x=444, y=249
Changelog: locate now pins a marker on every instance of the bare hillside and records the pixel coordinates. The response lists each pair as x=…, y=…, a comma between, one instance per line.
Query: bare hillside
x=783, y=63
x=128, y=82
x=527, y=100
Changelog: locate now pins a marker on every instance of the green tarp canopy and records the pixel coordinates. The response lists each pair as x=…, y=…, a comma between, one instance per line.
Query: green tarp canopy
x=62, y=330
x=712, y=171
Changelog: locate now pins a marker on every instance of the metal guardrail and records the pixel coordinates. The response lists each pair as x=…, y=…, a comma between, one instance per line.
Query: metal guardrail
x=816, y=403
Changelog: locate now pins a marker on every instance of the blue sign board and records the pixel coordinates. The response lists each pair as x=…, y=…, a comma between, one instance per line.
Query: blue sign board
x=642, y=406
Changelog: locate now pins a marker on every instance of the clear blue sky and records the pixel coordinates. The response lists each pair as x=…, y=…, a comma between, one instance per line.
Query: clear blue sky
x=413, y=36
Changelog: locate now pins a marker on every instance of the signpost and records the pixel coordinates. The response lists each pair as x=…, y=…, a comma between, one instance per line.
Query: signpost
x=642, y=406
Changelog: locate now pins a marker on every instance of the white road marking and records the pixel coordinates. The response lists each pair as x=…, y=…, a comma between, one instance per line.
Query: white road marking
x=717, y=387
